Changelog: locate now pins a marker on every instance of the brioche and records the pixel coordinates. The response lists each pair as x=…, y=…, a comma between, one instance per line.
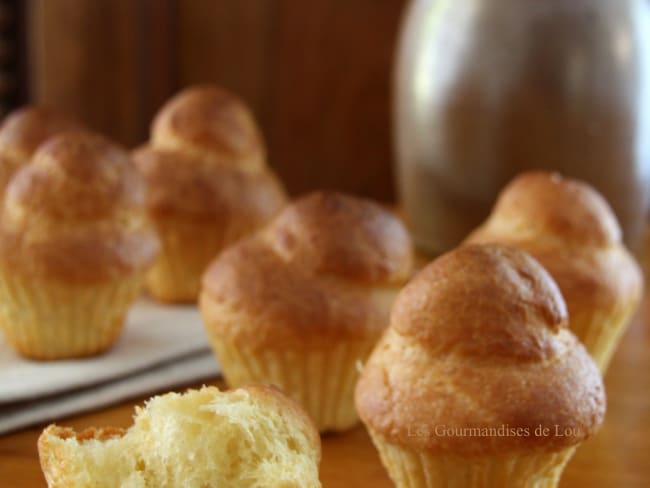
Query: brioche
x=75, y=243
x=209, y=123
x=572, y=231
x=22, y=131
x=298, y=304
x=478, y=381
x=207, y=185
x=251, y=437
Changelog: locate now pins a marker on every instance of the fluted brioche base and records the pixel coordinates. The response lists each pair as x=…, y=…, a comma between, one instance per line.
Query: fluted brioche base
x=46, y=319
x=187, y=249
x=409, y=469
x=601, y=332
x=322, y=381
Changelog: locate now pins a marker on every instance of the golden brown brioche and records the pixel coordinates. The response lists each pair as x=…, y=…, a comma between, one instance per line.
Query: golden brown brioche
x=184, y=187
x=76, y=213
x=74, y=237
x=478, y=342
x=210, y=123
x=312, y=278
x=299, y=303
x=246, y=438
x=572, y=231
x=344, y=237
x=22, y=131
x=208, y=185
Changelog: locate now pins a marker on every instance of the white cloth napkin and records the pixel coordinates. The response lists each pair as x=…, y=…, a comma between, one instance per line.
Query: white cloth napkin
x=162, y=346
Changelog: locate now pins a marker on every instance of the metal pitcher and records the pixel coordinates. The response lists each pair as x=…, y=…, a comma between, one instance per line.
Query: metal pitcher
x=485, y=89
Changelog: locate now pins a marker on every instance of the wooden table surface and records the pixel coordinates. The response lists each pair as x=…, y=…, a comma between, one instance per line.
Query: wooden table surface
x=618, y=456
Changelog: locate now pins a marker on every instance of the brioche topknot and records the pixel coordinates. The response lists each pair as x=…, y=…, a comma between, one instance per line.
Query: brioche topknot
x=23, y=130
x=246, y=438
x=511, y=309
x=210, y=123
x=546, y=205
x=77, y=175
x=77, y=211
x=343, y=236
x=479, y=339
x=571, y=230
x=313, y=276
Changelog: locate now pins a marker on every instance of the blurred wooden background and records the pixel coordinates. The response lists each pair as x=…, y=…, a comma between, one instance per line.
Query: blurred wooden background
x=317, y=74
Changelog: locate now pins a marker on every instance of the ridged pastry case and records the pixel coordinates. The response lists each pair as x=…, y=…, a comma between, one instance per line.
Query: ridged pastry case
x=485, y=89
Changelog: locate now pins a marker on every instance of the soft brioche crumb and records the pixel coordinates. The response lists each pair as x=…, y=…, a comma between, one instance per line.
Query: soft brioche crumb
x=250, y=437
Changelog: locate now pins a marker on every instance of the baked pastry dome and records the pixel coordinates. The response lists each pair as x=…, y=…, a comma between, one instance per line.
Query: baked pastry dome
x=298, y=304
x=571, y=230
x=478, y=381
x=22, y=131
x=208, y=122
x=75, y=242
x=254, y=436
x=208, y=185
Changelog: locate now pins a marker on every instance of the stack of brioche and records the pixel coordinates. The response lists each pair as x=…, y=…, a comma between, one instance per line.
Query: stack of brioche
x=478, y=381
x=207, y=185
x=470, y=373
x=300, y=303
x=75, y=243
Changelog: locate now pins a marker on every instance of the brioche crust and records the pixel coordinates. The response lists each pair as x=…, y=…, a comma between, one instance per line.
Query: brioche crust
x=253, y=298
x=208, y=122
x=207, y=180
x=514, y=313
x=23, y=130
x=101, y=434
x=571, y=230
x=303, y=285
x=537, y=204
x=347, y=237
x=184, y=186
x=479, y=339
x=76, y=212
